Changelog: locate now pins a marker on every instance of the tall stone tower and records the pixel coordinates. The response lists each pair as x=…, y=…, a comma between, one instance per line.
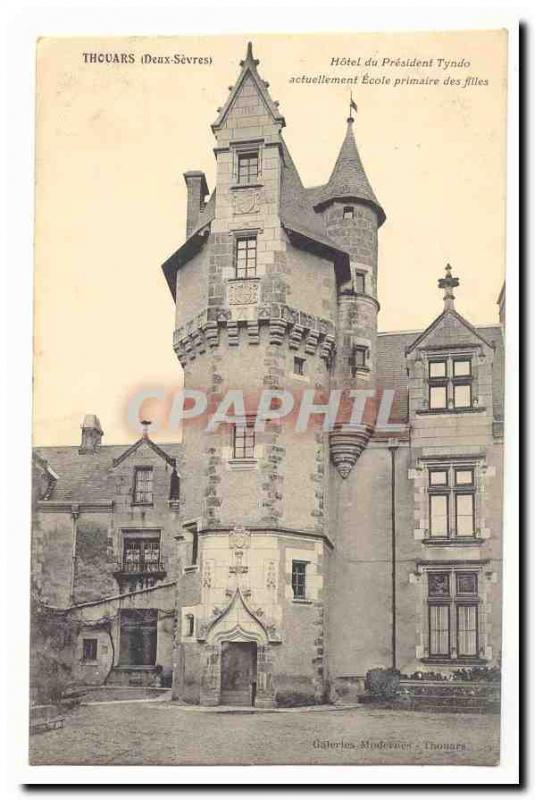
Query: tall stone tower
x=275, y=288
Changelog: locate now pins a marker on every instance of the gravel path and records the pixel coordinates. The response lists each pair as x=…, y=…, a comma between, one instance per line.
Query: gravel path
x=164, y=734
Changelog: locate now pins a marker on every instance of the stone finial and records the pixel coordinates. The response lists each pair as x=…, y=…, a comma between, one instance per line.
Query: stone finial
x=249, y=60
x=145, y=424
x=448, y=284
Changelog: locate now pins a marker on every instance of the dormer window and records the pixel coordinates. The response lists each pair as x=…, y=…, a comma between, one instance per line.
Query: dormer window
x=450, y=383
x=248, y=167
x=143, y=480
x=349, y=212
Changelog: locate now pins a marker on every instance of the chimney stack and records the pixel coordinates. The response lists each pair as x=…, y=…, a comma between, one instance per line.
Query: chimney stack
x=92, y=434
x=197, y=191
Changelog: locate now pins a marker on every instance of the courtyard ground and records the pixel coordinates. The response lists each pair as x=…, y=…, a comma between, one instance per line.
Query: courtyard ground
x=164, y=733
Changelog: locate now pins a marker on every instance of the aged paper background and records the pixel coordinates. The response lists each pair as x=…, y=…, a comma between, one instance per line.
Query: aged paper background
x=114, y=139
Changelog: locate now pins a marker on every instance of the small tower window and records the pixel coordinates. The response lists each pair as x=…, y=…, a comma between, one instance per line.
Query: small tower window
x=190, y=624
x=360, y=283
x=299, y=571
x=349, y=212
x=248, y=167
x=357, y=360
x=299, y=366
x=243, y=442
x=245, y=257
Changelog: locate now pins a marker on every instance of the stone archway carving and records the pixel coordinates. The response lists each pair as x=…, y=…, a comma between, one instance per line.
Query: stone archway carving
x=238, y=624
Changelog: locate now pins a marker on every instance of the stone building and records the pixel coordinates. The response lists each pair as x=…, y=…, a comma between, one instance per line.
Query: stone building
x=103, y=550
x=308, y=558
x=291, y=561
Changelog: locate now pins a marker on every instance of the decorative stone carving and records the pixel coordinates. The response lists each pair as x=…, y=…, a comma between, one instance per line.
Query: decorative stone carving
x=246, y=201
x=242, y=293
x=346, y=447
x=271, y=575
x=239, y=538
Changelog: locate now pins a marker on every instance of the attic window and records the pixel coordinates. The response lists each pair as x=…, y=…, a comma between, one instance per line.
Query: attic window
x=349, y=212
x=248, y=167
x=143, y=486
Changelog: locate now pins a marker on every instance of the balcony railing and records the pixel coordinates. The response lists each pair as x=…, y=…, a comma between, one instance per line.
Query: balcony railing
x=140, y=567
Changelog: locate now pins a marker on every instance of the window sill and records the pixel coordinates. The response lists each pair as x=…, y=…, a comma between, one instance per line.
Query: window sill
x=434, y=411
x=191, y=568
x=142, y=505
x=89, y=663
x=255, y=185
x=453, y=541
x=173, y=503
x=242, y=463
x=301, y=601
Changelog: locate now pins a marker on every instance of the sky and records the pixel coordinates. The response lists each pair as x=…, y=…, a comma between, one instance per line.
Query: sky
x=113, y=140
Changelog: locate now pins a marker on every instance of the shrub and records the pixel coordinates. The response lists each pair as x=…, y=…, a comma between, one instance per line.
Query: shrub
x=382, y=684
x=286, y=698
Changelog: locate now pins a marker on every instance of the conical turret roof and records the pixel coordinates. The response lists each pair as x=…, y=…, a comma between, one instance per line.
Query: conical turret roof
x=348, y=179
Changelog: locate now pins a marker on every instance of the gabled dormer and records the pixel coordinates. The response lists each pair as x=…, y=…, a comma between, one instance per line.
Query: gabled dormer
x=450, y=363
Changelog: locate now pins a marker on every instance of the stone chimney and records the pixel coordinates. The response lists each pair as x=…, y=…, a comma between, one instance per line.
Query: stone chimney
x=197, y=191
x=92, y=434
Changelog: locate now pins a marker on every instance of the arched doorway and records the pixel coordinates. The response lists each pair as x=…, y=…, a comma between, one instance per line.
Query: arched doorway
x=237, y=668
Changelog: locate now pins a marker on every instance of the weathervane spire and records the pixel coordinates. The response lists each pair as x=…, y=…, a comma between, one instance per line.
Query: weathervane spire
x=352, y=107
x=448, y=284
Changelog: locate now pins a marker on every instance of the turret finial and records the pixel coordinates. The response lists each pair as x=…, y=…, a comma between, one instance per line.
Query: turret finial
x=249, y=57
x=352, y=107
x=448, y=284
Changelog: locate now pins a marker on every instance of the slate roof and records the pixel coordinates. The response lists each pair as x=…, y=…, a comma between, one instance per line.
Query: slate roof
x=392, y=369
x=88, y=477
x=297, y=214
x=348, y=178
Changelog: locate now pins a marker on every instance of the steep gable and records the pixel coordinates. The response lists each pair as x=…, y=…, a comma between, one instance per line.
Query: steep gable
x=449, y=329
x=248, y=98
